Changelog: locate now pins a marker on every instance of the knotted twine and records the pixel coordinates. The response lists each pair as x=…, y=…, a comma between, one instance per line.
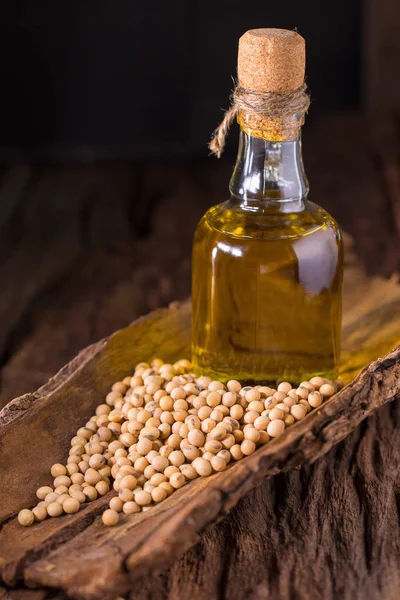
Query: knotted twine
x=274, y=105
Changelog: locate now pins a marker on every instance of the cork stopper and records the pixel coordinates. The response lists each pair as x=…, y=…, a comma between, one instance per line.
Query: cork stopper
x=271, y=60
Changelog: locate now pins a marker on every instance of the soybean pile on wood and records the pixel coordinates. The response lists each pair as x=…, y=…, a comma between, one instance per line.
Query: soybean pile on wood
x=163, y=427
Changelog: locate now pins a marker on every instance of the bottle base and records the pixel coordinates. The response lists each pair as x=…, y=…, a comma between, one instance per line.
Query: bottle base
x=294, y=377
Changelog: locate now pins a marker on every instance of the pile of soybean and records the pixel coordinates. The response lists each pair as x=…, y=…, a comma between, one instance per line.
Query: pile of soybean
x=163, y=427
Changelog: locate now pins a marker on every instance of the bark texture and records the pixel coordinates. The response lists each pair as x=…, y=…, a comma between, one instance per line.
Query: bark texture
x=75, y=271
x=317, y=532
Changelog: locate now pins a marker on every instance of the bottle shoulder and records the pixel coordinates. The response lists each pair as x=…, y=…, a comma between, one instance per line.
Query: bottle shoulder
x=236, y=221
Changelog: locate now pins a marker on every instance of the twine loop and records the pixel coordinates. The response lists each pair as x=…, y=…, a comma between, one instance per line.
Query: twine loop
x=262, y=104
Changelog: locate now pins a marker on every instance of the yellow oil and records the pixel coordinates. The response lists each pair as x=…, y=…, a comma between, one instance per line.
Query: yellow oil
x=266, y=293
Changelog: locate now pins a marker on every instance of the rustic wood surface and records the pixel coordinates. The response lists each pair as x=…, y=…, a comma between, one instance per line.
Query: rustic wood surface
x=329, y=530
x=77, y=554
x=73, y=267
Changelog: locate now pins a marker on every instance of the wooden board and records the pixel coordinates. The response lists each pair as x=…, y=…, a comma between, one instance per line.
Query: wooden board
x=77, y=555
x=72, y=266
x=329, y=530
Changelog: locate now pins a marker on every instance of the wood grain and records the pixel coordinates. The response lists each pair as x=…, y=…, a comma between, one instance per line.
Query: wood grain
x=329, y=530
x=104, y=277
x=77, y=554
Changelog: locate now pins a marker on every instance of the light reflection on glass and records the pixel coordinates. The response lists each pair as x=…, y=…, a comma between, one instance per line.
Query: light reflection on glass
x=316, y=257
x=227, y=249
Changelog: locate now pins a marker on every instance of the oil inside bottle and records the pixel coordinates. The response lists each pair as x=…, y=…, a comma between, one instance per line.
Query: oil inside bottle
x=267, y=279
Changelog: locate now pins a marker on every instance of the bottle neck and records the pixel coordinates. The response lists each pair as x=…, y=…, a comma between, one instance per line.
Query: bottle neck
x=269, y=173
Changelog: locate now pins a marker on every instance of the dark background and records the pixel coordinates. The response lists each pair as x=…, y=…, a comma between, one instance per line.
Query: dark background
x=128, y=79
x=106, y=109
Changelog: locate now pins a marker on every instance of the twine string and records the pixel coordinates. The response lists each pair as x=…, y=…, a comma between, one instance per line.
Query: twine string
x=263, y=104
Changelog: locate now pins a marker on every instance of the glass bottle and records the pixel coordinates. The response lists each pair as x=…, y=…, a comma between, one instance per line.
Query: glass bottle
x=267, y=270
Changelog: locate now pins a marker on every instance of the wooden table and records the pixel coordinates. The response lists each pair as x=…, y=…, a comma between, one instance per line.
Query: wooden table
x=80, y=259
